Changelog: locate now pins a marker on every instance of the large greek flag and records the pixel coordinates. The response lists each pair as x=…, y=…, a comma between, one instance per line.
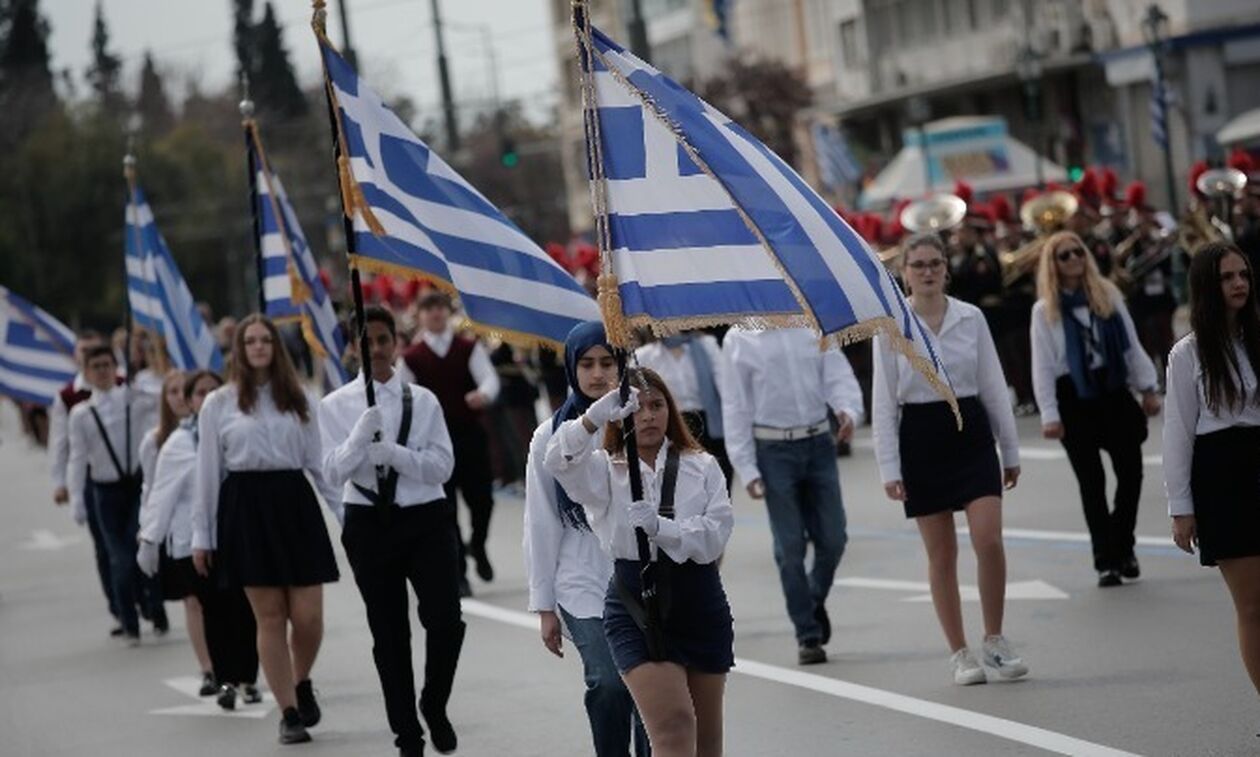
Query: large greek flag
x=415, y=216
x=702, y=224
x=160, y=299
x=36, y=351
x=292, y=289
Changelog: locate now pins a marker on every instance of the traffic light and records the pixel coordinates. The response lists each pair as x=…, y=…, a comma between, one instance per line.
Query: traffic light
x=508, y=156
x=1075, y=173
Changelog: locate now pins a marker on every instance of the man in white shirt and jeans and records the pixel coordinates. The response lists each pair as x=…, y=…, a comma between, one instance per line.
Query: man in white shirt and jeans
x=776, y=393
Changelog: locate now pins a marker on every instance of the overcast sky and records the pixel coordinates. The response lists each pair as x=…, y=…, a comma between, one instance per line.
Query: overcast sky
x=393, y=38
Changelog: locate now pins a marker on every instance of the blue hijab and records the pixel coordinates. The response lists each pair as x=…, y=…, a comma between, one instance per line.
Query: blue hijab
x=583, y=337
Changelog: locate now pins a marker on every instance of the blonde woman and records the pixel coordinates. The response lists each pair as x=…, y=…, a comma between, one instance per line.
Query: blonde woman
x=1087, y=361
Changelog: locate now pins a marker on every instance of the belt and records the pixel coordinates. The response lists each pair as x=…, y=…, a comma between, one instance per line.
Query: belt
x=770, y=434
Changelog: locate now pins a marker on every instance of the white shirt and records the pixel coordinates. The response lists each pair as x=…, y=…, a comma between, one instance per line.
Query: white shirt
x=148, y=462
x=1186, y=415
x=678, y=370
x=166, y=514
x=262, y=440
x=564, y=566
x=87, y=448
x=424, y=463
x=703, y=516
x=965, y=347
x=59, y=432
x=1049, y=356
x=479, y=364
x=781, y=379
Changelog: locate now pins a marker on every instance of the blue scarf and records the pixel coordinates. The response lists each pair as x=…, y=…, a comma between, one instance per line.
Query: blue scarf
x=1114, y=343
x=709, y=399
x=583, y=337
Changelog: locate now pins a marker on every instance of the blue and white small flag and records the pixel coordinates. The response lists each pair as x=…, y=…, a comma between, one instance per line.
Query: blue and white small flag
x=159, y=297
x=1159, y=107
x=415, y=217
x=292, y=289
x=36, y=351
x=836, y=165
x=702, y=224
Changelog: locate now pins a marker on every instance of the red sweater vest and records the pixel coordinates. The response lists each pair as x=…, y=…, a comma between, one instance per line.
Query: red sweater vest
x=447, y=377
x=71, y=397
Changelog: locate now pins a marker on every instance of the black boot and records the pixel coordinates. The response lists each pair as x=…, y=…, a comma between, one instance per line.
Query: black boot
x=441, y=732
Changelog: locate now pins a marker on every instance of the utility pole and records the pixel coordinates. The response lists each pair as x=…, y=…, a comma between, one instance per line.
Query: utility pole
x=444, y=79
x=347, y=49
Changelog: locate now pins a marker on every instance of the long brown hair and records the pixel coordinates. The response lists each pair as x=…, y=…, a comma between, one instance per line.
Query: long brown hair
x=646, y=379
x=167, y=421
x=286, y=390
x=1100, y=292
x=1222, y=377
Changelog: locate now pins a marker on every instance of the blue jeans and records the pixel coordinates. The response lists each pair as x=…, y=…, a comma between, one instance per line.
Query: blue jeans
x=609, y=705
x=803, y=502
x=118, y=513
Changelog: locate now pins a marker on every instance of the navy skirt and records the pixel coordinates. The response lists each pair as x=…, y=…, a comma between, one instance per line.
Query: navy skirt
x=271, y=532
x=699, y=629
x=178, y=577
x=942, y=468
x=1225, y=485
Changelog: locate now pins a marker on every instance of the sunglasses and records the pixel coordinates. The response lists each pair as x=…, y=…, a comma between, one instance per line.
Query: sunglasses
x=1066, y=255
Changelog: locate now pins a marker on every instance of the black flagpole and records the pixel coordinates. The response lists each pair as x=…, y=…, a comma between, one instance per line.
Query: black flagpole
x=129, y=172
x=251, y=165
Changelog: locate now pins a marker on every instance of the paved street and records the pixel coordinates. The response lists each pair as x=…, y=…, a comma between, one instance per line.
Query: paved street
x=1151, y=668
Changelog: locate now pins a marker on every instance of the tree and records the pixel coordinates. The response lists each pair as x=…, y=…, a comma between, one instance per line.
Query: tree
x=243, y=36
x=26, y=81
x=272, y=80
x=102, y=75
x=152, y=104
x=764, y=98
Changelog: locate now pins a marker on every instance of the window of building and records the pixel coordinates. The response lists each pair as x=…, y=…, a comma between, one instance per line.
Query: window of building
x=971, y=14
x=850, y=53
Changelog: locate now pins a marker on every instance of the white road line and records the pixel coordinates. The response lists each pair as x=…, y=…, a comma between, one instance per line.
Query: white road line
x=1071, y=536
x=1037, y=453
x=1007, y=729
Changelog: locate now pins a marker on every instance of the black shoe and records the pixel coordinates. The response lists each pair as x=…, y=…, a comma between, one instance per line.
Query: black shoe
x=465, y=589
x=1130, y=568
x=1107, y=578
x=307, y=705
x=291, y=729
x=250, y=694
x=411, y=751
x=227, y=697
x=441, y=732
x=824, y=622
x=810, y=653
x=116, y=631
x=485, y=571
x=208, y=685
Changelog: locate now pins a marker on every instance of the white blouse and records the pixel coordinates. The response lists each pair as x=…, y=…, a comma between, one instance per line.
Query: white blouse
x=703, y=516
x=1186, y=415
x=262, y=440
x=166, y=514
x=965, y=347
x=1049, y=356
x=564, y=566
x=148, y=463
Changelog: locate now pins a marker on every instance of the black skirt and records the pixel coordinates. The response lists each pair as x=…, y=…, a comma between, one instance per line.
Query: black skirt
x=178, y=577
x=699, y=629
x=271, y=532
x=1225, y=485
x=942, y=468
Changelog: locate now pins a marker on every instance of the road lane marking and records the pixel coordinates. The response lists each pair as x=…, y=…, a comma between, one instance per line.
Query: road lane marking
x=207, y=707
x=1070, y=536
x=44, y=540
x=1037, y=453
x=1011, y=730
x=1035, y=589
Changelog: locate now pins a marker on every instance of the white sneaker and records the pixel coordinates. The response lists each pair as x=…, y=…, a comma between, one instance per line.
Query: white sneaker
x=997, y=654
x=967, y=671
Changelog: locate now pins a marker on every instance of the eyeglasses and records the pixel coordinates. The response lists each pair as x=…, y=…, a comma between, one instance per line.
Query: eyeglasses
x=1066, y=255
x=919, y=266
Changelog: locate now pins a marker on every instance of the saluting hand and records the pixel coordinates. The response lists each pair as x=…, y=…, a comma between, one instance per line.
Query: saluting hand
x=609, y=408
x=549, y=627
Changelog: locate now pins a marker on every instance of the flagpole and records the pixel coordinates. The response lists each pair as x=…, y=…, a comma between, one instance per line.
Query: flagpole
x=248, y=126
x=129, y=173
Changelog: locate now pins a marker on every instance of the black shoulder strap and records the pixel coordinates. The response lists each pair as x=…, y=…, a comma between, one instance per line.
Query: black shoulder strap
x=389, y=485
x=669, y=483
x=109, y=446
x=404, y=428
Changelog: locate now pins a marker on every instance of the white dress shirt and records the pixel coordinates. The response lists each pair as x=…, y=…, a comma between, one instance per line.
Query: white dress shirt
x=703, y=516
x=965, y=347
x=679, y=372
x=1049, y=356
x=564, y=566
x=479, y=365
x=1186, y=415
x=166, y=514
x=424, y=462
x=781, y=379
x=148, y=462
x=87, y=448
x=264, y=439
x=59, y=433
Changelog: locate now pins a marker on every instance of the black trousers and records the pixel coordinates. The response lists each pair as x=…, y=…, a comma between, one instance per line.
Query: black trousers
x=1113, y=423
x=474, y=479
x=231, y=634
x=416, y=545
x=714, y=446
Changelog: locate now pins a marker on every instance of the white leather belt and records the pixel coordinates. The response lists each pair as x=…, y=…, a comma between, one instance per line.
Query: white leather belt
x=769, y=434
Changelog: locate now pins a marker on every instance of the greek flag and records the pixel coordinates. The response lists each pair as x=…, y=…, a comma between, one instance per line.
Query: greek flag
x=703, y=224
x=36, y=351
x=1159, y=107
x=836, y=165
x=292, y=289
x=160, y=299
x=414, y=216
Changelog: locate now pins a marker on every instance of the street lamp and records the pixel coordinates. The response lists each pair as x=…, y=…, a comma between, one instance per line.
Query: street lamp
x=1155, y=31
x=1028, y=69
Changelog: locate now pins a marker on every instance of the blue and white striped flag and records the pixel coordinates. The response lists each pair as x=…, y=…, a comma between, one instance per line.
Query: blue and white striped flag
x=702, y=224
x=291, y=285
x=160, y=299
x=36, y=351
x=1159, y=107
x=414, y=216
x=836, y=165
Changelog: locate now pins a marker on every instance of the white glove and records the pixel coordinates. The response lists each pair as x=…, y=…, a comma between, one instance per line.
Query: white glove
x=369, y=425
x=147, y=558
x=380, y=453
x=609, y=408
x=643, y=515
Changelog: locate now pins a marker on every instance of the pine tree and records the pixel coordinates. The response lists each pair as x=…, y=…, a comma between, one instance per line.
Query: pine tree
x=272, y=80
x=243, y=36
x=103, y=74
x=26, y=81
x=152, y=105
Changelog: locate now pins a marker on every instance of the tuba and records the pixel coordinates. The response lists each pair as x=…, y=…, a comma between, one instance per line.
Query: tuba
x=938, y=213
x=1222, y=186
x=1043, y=215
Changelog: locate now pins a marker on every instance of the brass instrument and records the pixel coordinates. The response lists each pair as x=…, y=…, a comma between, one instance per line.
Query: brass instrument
x=1044, y=214
x=940, y=212
x=1222, y=186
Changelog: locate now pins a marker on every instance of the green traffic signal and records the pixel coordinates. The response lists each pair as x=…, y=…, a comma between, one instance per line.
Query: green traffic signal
x=1075, y=173
x=509, y=159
